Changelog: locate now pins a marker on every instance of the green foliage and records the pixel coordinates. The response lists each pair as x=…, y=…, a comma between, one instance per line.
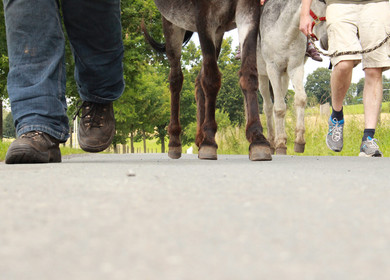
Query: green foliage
x=386, y=89
x=359, y=90
x=8, y=126
x=230, y=98
x=233, y=142
x=3, y=149
x=3, y=76
x=350, y=97
x=3, y=56
x=192, y=62
x=318, y=85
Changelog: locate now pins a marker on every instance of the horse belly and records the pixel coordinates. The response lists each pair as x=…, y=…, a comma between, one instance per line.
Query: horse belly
x=183, y=13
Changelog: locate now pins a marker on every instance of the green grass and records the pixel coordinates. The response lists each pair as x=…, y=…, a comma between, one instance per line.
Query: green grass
x=232, y=140
x=3, y=149
x=64, y=150
x=316, y=129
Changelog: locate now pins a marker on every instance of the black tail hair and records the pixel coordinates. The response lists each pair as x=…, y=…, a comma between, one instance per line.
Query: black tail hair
x=161, y=47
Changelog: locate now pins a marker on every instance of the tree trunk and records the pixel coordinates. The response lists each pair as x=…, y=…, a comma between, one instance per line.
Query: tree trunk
x=71, y=138
x=1, y=120
x=162, y=145
x=144, y=140
x=132, y=142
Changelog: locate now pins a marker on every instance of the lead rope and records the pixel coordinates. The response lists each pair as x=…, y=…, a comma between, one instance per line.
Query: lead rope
x=337, y=53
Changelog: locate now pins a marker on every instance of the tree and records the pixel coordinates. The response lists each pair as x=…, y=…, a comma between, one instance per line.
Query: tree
x=350, y=97
x=386, y=89
x=8, y=126
x=3, y=66
x=318, y=85
x=192, y=63
x=230, y=98
x=137, y=55
x=359, y=90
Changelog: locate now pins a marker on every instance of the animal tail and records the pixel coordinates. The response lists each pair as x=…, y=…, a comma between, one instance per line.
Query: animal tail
x=161, y=47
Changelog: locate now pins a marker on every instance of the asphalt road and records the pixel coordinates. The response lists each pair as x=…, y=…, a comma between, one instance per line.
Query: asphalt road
x=141, y=217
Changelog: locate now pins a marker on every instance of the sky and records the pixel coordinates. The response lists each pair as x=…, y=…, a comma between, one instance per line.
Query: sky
x=310, y=65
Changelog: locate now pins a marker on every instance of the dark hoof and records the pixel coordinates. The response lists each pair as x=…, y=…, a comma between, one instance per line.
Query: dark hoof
x=272, y=150
x=281, y=151
x=174, y=152
x=299, y=148
x=207, y=152
x=260, y=153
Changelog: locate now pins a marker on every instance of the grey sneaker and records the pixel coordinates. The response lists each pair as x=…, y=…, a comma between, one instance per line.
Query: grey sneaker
x=334, y=138
x=370, y=148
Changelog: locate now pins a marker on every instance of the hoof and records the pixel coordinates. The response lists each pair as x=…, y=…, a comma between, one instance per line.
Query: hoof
x=299, y=148
x=282, y=151
x=260, y=153
x=174, y=152
x=207, y=152
x=272, y=150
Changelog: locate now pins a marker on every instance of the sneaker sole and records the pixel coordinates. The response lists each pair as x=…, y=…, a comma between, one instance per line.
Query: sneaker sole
x=363, y=154
x=26, y=154
x=334, y=150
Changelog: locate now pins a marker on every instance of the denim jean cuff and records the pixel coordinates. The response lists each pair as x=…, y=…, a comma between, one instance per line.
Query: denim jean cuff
x=103, y=95
x=62, y=137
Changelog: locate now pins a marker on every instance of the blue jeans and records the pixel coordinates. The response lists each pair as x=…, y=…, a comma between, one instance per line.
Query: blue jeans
x=36, y=49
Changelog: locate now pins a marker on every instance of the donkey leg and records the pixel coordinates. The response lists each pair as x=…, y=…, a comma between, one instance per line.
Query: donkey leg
x=200, y=110
x=210, y=81
x=279, y=82
x=268, y=108
x=174, y=38
x=300, y=103
x=247, y=18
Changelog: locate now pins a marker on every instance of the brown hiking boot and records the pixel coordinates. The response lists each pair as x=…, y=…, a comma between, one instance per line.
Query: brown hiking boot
x=34, y=147
x=96, y=127
x=238, y=55
x=313, y=53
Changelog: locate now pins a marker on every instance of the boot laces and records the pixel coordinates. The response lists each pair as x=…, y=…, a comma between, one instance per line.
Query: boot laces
x=92, y=113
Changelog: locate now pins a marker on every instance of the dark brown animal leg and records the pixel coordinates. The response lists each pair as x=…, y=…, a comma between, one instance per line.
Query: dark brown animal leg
x=174, y=37
x=200, y=105
x=210, y=80
x=259, y=148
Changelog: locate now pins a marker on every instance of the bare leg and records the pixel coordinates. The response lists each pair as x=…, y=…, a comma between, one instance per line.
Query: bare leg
x=340, y=82
x=372, y=96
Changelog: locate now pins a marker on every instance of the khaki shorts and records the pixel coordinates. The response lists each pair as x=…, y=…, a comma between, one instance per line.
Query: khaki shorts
x=354, y=27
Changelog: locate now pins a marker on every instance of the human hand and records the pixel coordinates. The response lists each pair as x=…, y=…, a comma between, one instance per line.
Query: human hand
x=305, y=25
x=262, y=2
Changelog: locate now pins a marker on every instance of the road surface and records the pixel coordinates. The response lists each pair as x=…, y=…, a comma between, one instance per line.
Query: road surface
x=145, y=216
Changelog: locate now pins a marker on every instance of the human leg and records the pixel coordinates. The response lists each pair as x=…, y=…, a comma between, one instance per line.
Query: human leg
x=373, y=28
x=95, y=33
x=340, y=82
x=372, y=96
x=372, y=99
x=342, y=30
x=36, y=80
x=94, y=29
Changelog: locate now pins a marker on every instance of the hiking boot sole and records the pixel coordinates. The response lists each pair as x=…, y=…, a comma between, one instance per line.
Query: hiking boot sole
x=27, y=154
x=95, y=149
